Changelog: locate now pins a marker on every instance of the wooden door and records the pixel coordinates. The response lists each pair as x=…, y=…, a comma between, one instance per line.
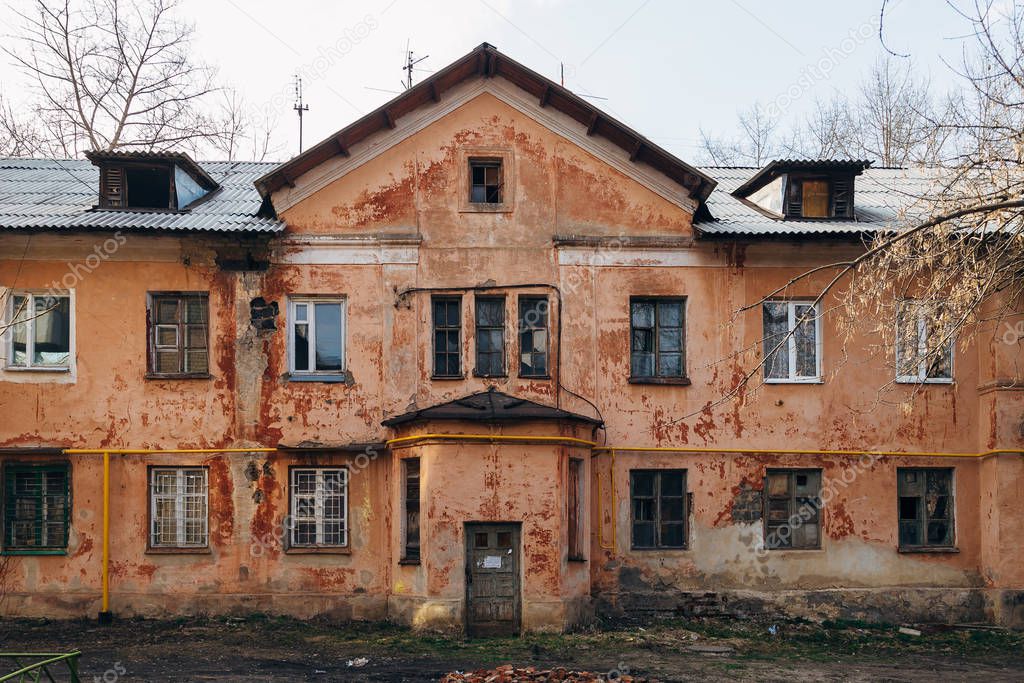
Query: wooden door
x=492, y=579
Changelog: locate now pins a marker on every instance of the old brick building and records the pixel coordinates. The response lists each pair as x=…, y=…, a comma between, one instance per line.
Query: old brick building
x=448, y=366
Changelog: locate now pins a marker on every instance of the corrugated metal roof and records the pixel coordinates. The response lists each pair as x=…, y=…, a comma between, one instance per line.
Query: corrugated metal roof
x=882, y=197
x=59, y=194
x=488, y=406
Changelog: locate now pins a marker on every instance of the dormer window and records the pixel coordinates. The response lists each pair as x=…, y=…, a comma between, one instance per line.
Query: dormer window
x=804, y=189
x=147, y=181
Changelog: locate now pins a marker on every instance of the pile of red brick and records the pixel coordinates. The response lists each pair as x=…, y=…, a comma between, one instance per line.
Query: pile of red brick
x=511, y=674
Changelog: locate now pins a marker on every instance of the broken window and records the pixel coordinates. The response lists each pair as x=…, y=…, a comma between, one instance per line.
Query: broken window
x=533, y=336
x=658, y=507
x=577, y=512
x=40, y=336
x=490, y=336
x=657, y=338
x=37, y=507
x=925, y=507
x=485, y=181
x=447, y=336
x=160, y=183
x=411, y=471
x=178, y=335
x=924, y=352
x=792, y=502
x=317, y=336
x=319, y=506
x=792, y=335
x=178, y=507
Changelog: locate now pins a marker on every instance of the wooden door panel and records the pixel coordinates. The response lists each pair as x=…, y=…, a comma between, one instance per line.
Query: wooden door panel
x=492, y=579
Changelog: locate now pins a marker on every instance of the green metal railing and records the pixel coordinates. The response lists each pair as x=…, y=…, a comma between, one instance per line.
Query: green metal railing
x=42, y=664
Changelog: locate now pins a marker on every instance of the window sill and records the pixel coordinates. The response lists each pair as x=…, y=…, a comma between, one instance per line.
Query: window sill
x=924, y=550
x=809, y=380
x=333, y=378
x=179, y=551
x=302, y=550
x=409, y=562
x=446, y=378
x=482, y=376
x=577, y=559
x=158, y=376
x=678, y=381
x=536, y=377
x=21, y=368
x=816, y=549
x=483, y=207
x=914, y=380
x=29, y=551
x=674, y=549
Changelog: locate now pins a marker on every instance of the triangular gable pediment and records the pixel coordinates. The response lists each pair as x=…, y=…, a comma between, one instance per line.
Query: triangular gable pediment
x=485, y=70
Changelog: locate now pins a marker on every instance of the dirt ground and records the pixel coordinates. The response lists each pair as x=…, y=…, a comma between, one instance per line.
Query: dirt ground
x=278, y=649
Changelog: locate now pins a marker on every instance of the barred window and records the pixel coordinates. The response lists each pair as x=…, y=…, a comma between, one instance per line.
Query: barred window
x=179, y=499
x=37, y=507
x=319, y=507
x=179, y=331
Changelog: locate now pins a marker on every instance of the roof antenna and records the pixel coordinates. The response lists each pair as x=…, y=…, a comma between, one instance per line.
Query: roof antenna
x=409, y=64
x=299, y=106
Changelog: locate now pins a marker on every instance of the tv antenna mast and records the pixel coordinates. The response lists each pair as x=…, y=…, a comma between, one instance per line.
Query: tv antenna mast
x=299, y=107
x=410, y=63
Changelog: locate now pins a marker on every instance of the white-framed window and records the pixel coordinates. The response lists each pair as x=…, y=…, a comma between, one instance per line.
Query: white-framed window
x=319, y=507
x=316, y=336
x=792, y=341
x=179, y=501
x=919, y=358
x=40, y=335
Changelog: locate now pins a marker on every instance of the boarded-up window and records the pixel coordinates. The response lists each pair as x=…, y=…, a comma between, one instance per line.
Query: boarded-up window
x=178, y=507
x=815, y=198
x=533, y=336
x=656, y=328
x=411, y=472
x=658, y=508
x=37, y=507
x=793, y=509
x=179, y=335
x=447, y=312
x=490, y=336
x=925, y=507
x=575, y=509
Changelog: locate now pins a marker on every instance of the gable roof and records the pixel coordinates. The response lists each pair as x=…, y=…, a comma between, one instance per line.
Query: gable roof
x=488, y=406
x=178, y=158
x=780, y=166
x=486, y=62
x=45, y=194
x=883, y=197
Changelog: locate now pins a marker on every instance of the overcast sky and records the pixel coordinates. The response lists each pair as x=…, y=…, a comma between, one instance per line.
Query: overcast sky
x=665, y=68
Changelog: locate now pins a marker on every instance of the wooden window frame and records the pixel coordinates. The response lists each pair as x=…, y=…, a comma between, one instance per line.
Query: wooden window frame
x=107, y=201
x=840, y=196
x=485, y=163
x=790, y=348
x=10, y=505
x=657, y=378
x=153, y=300
x=318, y=517
x=922, y=519
x=477, y=328
x=411, y=553
x=794, y=505
x=180, y=518
x=310, y=320
x=576, y=509
x=525, y=330
x=506, y=157
x=657, y=498
x=435, y=328
x=30, y=330
x=922, y=377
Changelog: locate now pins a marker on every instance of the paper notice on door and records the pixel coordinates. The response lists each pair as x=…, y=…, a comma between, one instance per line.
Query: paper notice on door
x=492, y=562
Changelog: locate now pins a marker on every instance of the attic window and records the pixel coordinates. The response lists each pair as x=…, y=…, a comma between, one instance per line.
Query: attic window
x=146, y=181
x=485, y=179
x=818, y=197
